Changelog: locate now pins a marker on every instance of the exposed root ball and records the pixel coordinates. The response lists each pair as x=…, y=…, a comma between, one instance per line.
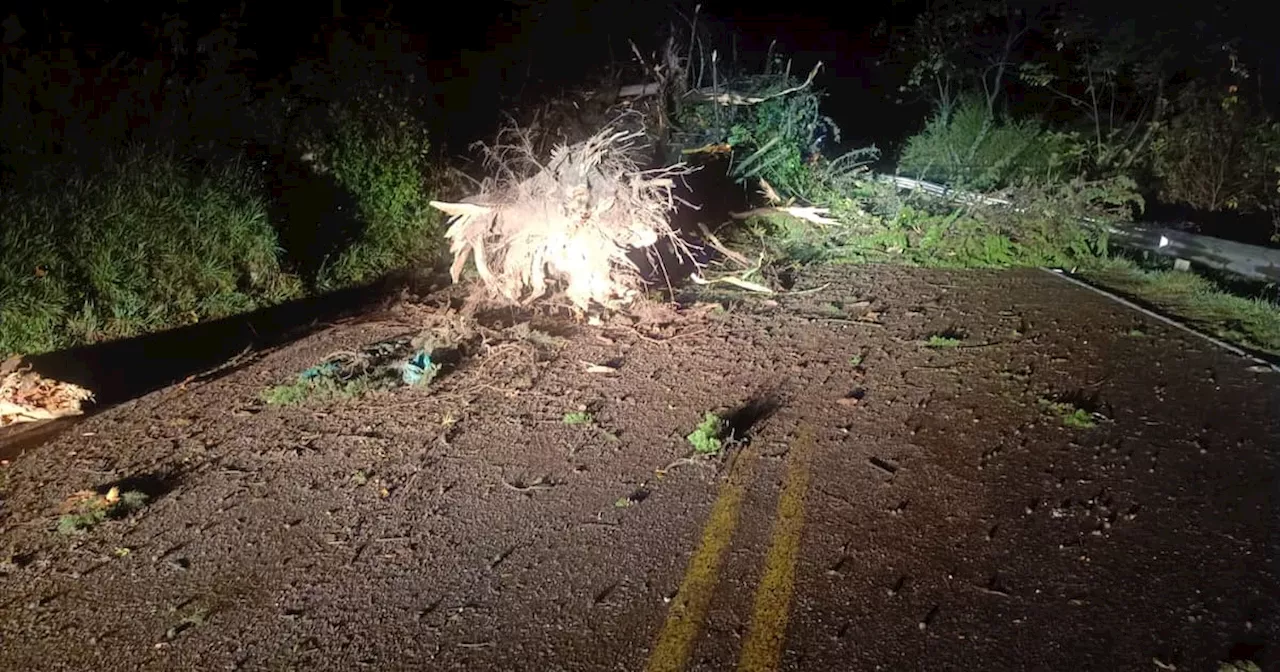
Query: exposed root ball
x=569, y=223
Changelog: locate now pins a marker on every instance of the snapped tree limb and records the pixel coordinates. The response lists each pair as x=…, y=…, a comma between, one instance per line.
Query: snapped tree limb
x=717, y=97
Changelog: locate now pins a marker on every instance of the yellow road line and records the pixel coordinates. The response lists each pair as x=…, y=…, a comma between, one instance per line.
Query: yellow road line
x=684, y=618
x=762, y=649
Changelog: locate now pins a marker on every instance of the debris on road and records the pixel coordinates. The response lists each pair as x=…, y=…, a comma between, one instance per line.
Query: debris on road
x=26, y=396
x=384, y=365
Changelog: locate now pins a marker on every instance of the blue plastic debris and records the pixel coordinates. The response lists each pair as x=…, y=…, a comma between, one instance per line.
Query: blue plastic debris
x=324, y=370
x=418, y=368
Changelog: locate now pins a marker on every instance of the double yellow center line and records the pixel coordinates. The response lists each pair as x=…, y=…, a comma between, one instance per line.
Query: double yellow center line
x=762, y=649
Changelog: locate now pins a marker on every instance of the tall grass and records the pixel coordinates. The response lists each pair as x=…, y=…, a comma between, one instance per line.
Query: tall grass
x=147, y=243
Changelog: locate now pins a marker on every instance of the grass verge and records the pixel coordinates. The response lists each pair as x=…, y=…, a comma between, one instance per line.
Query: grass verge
x=1250, y=322
x=888, y=228
x=150, y=242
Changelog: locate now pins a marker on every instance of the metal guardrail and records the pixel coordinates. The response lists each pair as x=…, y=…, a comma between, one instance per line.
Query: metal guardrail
x=1250, y=261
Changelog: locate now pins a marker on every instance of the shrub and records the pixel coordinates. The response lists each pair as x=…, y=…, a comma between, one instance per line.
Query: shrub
x=147, y=243
x=772, y=139
x=1050, y=224
x=1217, y=153
x=377, y=150
x=968, y=147
x=777, y=136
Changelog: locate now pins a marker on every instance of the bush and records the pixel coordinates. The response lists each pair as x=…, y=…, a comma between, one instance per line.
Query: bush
x=147, y=243
x=377, y=150
x=1046, y=228
x=778, y=136
x=1218, y=153
x=771, y=139
x=970, y=148
x=1039, y=171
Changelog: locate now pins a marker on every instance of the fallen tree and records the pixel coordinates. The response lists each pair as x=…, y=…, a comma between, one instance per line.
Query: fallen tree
x=567, y=204
x=572, y=220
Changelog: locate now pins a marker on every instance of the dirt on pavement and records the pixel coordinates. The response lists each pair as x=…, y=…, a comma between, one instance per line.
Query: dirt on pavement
x=1056, y=483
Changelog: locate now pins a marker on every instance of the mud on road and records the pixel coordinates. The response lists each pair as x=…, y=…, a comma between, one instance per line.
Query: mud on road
x=890, y=505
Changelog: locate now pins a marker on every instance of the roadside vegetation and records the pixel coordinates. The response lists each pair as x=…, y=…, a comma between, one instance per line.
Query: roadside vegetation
x=201, y=194
x=1049, y=128
x=146, y=243
x=1250, y=321
x=238, y=194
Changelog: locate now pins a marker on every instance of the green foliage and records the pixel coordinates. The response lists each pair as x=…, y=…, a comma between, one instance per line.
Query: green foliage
x=707, y=438
x=1217, y=152
x=91, y=511
x=1072, y=417
x=578, y=418
x=377, y=150
x=1251, y=322
x=1078, y=419
x=149, y=242
x=124, y=246
x=316, y=390
x=770, y=139
x=959, y=238
x=777, y=133
x=76, y=523
x=1169, y=103
x=1111, y=76
x=943, y=341
x=1042, y=172
x=967, y=147
x=383, y=365
x=1044, y=229
x=884, y=225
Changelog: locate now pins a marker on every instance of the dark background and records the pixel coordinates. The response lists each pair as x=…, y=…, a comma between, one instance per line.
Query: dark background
x=480, y=56
x=477, y=60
